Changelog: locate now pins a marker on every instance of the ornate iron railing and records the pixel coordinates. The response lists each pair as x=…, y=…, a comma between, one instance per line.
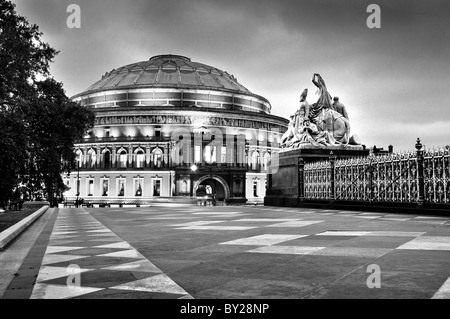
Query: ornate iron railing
x=351, y=179
x=411, y=177
x=318, y=180
x=437, y=176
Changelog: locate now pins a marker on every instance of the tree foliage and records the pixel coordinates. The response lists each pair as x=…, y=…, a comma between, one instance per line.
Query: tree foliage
x=38, y=122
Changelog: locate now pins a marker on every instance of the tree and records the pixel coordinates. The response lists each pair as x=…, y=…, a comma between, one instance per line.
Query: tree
x=12, y=154
x=38, y=123
x=57, y=124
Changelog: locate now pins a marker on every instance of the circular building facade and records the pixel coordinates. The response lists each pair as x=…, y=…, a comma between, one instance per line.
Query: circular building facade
x=169, y=130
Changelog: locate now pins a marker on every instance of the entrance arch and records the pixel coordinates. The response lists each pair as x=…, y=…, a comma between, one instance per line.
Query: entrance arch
x=213, y=177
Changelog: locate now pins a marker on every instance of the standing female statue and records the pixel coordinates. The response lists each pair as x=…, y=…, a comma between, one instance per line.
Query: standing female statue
x=324, y=101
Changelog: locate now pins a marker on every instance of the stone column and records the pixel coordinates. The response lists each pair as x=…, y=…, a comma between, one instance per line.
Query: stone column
x=165, y=158
x=230, y=150
x=85, y=156
x=192, y=150
x=241, y=150
x=130, y=155
x=202, y=150
x=98, y=156
x=169, y=159
x=147, y=156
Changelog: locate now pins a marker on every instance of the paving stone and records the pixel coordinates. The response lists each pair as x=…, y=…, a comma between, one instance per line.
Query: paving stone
x=236, y=252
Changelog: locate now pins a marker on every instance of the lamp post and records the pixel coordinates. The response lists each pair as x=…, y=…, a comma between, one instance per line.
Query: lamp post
x=78, y=182
x=171, y=168
x=193, y=170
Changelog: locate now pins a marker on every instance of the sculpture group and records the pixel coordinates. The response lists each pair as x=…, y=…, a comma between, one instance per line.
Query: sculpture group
x=322, y=124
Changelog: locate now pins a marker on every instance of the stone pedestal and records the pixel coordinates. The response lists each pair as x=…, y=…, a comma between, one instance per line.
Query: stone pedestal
x=285, y=186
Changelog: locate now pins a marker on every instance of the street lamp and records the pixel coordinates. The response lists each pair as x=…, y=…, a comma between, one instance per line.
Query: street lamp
x=194, y=168
x=78, y=181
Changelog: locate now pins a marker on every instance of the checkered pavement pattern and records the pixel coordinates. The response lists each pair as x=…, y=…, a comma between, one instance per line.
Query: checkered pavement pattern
x=303, y=240
x=274, y=242
x=101, y=245
x=108, y=265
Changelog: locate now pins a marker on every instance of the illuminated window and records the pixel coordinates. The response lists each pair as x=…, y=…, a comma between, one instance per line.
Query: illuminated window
x=123, y=157
x=140, y=159
x=157, y=157
x=92, y=158
x=210, y=154
x=266, y=160
x=223, y=155
x=90, y=187
x=184, y=187
x=138, y=184
x=121, y=187
x=197, y=154
x=255, y=156
x=105, y=187
x=78, y=158
x=181, y=154
x=156, y=187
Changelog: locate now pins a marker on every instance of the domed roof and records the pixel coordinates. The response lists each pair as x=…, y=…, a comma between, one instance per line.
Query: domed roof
x=168, y=71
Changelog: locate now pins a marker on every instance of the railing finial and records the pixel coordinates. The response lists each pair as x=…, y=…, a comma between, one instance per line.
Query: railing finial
x=418, y=145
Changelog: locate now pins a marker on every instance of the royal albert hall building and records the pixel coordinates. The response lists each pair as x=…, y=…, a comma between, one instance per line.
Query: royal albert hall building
x=170, y=130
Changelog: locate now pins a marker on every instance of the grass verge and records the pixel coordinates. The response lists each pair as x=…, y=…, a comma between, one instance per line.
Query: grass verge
x=9, y=218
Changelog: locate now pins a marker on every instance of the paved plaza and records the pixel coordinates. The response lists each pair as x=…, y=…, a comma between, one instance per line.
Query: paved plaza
x=228, y=252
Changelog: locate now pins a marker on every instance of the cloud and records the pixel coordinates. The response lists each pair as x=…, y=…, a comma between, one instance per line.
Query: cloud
x=394, y=80
x=403, y=135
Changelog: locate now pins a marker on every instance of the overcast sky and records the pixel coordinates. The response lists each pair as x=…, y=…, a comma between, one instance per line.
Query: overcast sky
x=394, y=81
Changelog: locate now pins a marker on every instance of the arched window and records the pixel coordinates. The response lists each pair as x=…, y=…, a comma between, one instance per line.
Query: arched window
x=140, y=158
x=266, y=160
x=210, y=154
x=157, y=157
x=107, y=159
x=223, y=155
x=255, y=156
x=92, y=158
x=123, y=157
x=78, y=158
